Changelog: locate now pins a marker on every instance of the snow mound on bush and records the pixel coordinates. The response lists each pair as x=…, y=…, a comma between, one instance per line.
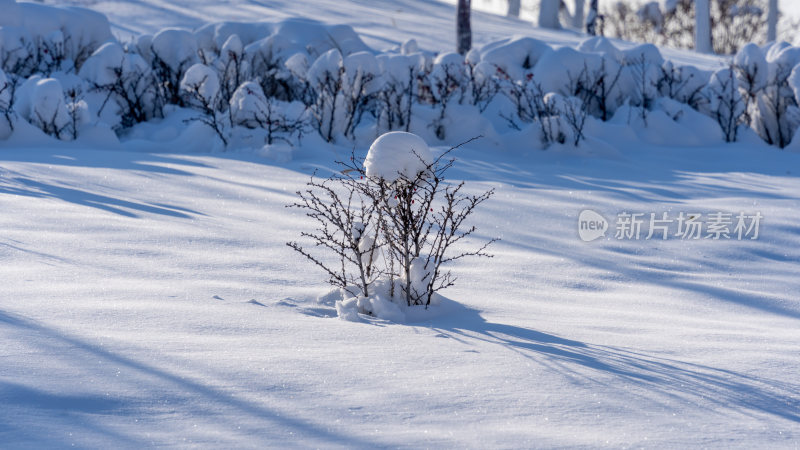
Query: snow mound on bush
x=292, y=35
x=397, y=154
x=71, y=28
x=176, y=48
x=514, y=56
x=202, y=81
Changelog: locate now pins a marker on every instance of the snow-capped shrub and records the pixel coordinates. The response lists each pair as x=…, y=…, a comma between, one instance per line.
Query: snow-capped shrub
x=124, y=78
x=279, y=73
x=401, y=75
x=751, y=67
x=640, y=78
x=44, y=39
x=558, y=71
x=279, y=120
x=201, y=85
x=325, y=77
x=514, y=57
x=6, y=100
x=447, y=79
x=774, y=113
x=726, y=104
x=683, y=83
x=600, y=87
x=248, y=105
x=48, y=110
x=232, y=66
x=174, y=51
x=482, y=85
x=201, y=89
x=397, y=155
x=568, y=111
x=527, y=97
x=360, y=84
x=392, y=236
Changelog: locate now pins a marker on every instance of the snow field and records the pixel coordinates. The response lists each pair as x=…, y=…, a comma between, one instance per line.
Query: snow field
x=150, y=299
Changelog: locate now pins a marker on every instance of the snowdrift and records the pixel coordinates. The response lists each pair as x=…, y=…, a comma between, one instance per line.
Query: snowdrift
x=264, y=86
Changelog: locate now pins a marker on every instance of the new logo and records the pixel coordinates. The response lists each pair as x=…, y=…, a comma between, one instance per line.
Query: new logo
x=591, y=225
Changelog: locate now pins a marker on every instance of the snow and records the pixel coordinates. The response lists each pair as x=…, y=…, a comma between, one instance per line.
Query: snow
x=515, y=56
x=397, y=154
x=148, y=297
x=247, y=104
x=130, y=275
x=176, y=48
x=201, y=80
x=325, y=67
x=752, y=69
x=47, y=110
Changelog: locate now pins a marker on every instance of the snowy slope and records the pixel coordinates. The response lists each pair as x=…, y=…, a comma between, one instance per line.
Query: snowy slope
x=149, y=299
x=381, y=23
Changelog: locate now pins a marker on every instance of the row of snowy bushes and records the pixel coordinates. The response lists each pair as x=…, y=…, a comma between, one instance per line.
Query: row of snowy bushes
x=260, y=83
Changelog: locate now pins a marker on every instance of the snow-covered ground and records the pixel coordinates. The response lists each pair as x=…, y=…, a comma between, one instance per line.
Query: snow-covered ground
x=149, y=299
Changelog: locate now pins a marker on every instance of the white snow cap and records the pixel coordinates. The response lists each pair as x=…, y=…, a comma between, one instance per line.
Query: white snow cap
x=202, y=80
x=397, y=154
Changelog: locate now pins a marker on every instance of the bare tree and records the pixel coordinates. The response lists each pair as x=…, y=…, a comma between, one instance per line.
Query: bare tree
x=514, y=7
x=577, y=16
x=772, y=21
x=463, y=28
x=702, y=40
x=548, y=14
x=592, y=18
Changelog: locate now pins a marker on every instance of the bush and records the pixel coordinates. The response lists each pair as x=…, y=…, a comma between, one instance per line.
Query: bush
x=391, y=223
x=734, y=23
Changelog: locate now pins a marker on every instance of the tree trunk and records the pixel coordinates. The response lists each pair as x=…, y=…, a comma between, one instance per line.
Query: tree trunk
x=548, y=14
x=577, y=16
x=463, y=28
x=514, y=7
x=591, y=19
x=772, y=21
x=702, y=29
